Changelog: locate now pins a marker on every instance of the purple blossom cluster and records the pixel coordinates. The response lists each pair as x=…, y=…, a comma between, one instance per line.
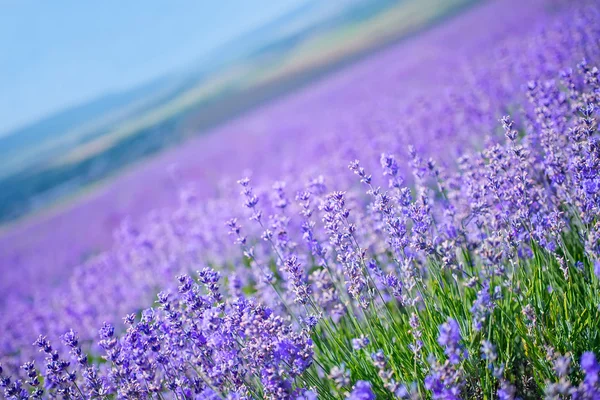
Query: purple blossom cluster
x=451, y=195
x=445, y=380
x=194, y=344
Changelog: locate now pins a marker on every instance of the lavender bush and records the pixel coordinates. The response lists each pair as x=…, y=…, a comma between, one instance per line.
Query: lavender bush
x=416, y=258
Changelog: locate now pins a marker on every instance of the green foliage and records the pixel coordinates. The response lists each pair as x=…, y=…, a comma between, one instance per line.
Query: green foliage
x=567, y=321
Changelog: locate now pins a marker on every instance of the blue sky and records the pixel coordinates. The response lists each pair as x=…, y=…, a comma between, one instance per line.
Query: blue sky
x=56, y=54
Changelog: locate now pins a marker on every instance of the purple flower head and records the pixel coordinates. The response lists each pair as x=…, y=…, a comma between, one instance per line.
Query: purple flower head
x=70, y=338
x=107, y=331
x=449, y=333
x=394, y=284
x=360, y=343
x=362, y=391
x=450, y=338
x=562, y=366
x=482, y=306
x=244, y=182
x=507, y=391
x=488, y=351
x=43, y=344
x=185, y=283
x=591, y=369
x=360, y=171
x=340, y=376
x=389, y=164
x=507, y=124
x=129, y=319
x=307, y=395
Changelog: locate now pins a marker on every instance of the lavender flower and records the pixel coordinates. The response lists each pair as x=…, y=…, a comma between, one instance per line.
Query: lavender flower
x=340, y=376
x=362, y=391
x=444, y=380
x=360, y=343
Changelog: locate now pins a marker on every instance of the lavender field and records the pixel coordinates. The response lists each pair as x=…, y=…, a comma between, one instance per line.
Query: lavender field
x=423, y=224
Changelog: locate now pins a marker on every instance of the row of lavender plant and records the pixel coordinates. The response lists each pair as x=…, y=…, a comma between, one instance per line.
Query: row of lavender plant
x=476, y=282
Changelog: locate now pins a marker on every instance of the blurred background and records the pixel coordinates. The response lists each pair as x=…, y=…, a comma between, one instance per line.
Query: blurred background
x=89, y=89
x=108, y=109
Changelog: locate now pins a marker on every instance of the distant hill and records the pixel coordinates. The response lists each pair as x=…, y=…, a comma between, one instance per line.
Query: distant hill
x=65, y=120
x=32, y=145
x=279, y=36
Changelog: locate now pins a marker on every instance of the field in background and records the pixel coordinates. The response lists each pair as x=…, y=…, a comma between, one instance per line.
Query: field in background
x=49, y=165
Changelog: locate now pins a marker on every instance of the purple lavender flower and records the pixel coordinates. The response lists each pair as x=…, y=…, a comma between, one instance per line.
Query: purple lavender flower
x=591, y=369
x=360, y=343
x=482, y=306
x=340, y=376
x=450, y=339
x=444, y=380
x=307, y=395
x=362, y=391
x=384, y=372
x=507, y=391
